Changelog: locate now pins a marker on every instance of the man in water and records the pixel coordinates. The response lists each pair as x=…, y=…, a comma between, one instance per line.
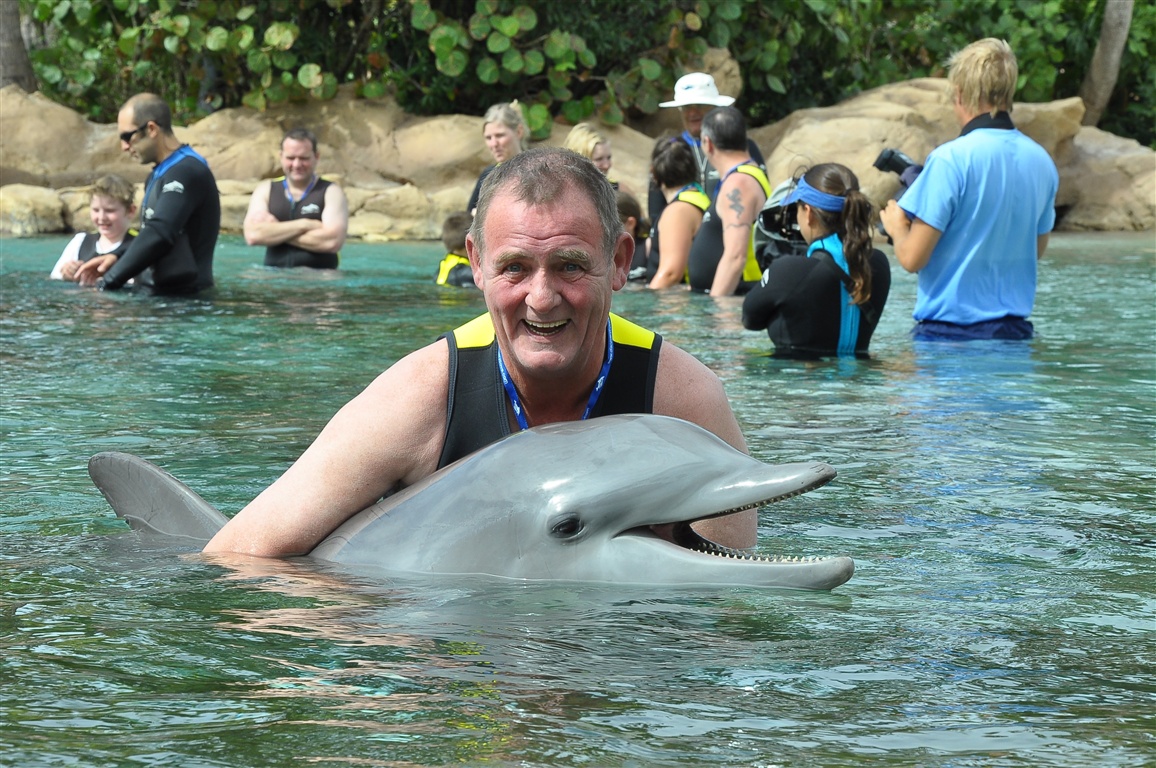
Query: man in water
x=180, y=214
x=722, y=256
x=300, y=218
x=976, y=221
x=695, y=94
x=548, y=251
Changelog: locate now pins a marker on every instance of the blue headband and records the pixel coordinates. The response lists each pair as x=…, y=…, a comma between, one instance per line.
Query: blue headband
x=806, y=193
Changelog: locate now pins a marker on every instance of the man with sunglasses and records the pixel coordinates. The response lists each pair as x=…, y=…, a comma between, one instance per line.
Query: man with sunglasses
x=180, y=216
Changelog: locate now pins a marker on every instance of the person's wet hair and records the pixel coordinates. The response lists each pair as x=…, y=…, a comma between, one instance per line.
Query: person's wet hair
x=727, y=128
x=300, y=134
x=672, y=163
x=454, y=230
x=115, y=188
x=540, y=176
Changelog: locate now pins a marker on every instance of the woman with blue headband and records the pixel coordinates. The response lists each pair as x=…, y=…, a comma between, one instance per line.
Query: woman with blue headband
x=827, y=302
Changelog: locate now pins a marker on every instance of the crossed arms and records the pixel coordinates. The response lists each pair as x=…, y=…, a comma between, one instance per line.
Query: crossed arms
x=324, y=236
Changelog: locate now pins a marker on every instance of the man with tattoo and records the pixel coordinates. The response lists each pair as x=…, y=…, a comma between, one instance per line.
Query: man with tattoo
x=722, y=258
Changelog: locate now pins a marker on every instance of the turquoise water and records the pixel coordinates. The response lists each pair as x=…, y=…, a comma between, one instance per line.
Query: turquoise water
x=998, y=498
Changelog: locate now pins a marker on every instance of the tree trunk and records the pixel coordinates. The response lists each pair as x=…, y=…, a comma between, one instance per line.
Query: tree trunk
x=1101, y=78
x=14, y=64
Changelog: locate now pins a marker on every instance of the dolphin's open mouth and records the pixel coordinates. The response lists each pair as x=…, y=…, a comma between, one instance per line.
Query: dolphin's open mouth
x=687, y=538
x=683, y=536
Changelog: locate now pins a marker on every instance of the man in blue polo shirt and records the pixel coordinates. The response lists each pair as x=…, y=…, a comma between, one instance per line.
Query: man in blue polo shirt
x=976, y=220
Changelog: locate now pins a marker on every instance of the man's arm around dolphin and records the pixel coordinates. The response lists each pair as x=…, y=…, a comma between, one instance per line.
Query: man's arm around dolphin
x=548, y=255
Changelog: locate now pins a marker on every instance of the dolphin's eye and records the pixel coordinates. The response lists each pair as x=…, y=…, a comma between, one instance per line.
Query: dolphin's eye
x=566, y=527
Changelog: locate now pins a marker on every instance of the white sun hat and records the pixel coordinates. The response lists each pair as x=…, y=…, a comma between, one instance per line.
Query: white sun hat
x=697, y=88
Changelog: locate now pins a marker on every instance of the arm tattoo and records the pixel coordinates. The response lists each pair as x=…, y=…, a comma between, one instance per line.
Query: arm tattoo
x=736, y=202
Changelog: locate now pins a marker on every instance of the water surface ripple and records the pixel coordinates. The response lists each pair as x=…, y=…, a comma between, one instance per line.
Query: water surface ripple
x=998, y=499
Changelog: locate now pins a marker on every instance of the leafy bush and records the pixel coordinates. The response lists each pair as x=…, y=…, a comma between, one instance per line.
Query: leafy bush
x=574, y=60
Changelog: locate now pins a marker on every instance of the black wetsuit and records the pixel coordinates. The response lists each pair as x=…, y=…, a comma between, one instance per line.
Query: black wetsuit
x=800, y=304
x=310, y=206
x=478, y=188
x=707, y=249
x=180, y=221
x=708, y=176
x=477, y=412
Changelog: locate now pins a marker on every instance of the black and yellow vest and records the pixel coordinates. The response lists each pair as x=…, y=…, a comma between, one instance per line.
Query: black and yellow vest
x=691, y=193
x=455, y=270
x=707, y=249
x=476, y=414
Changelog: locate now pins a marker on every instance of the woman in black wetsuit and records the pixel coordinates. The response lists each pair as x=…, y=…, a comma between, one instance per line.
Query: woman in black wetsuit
x=827, y=302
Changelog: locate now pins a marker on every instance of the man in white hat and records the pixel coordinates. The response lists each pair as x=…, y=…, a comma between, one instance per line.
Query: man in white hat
x=695, y=94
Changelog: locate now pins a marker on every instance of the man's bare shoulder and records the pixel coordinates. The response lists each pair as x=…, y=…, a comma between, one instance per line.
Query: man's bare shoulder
x=413, y=392
x=261, y=191
x=686, y=389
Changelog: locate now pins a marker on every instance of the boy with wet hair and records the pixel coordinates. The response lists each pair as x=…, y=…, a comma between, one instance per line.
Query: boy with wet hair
x=111, y=207
x=455, y=267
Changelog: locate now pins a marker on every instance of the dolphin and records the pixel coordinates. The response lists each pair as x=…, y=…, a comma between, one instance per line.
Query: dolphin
x=573, y=501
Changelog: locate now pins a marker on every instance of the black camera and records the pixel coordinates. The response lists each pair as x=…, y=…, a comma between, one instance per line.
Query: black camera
x=893, y=160
x=777, y=233
x=900, y=164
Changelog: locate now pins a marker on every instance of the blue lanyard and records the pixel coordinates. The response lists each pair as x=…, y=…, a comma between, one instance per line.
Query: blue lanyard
x=516, y=402
x=289, y=195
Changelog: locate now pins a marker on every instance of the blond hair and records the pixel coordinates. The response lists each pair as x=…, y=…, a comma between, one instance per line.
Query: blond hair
x=985, y=74
x=115, y=188
x=509, y=115
x=583, y=139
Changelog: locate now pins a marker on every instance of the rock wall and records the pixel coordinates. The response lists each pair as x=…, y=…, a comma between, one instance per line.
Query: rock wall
x=403, y=174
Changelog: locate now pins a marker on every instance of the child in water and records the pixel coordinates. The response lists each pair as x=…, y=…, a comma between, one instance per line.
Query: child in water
x=111, y=207
x=455, y=267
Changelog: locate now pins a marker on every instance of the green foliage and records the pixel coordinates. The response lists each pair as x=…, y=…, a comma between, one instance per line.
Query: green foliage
x=206, y=54
x=607, y=60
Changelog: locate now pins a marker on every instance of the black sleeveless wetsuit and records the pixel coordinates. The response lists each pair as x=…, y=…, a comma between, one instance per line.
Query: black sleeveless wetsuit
x=707, y=250
x=311, y=206
x=477, y=411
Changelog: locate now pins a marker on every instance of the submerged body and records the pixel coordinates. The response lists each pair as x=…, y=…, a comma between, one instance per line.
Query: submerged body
x=566, y=501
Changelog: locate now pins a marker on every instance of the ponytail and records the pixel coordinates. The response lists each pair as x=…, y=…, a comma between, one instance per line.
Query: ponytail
x=855, y=232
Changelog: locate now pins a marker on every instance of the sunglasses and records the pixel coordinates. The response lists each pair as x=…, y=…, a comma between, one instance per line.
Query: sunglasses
x=127, y=136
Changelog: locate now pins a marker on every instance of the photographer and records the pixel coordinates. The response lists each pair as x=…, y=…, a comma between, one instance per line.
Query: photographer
x=828, y=301
x=980, y=212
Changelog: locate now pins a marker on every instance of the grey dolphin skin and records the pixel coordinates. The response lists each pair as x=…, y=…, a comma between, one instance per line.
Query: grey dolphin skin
x=573, y=501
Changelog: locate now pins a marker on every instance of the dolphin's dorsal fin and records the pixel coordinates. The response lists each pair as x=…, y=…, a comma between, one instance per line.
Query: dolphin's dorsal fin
x=151, y=500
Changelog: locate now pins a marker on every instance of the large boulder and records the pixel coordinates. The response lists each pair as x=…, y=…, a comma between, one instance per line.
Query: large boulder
x=1109, y=183
x=27, y=210
x=1106, y=182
